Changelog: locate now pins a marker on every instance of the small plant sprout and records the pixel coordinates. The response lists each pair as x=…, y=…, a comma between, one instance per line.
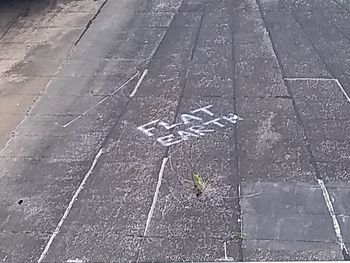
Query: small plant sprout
x=199, y=184
x=236, y=236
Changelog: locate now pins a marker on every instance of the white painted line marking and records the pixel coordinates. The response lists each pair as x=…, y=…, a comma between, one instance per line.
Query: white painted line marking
x=156, y=193
x=70, y=205
x=145, y=72
x=126, y=83
x=225, y=258
x=347, y=96
x=332, y=214
x=225, y=250
x=314, y=79
x=101, y=101
x=343, y=90
x=84, y=113
x=74, y=261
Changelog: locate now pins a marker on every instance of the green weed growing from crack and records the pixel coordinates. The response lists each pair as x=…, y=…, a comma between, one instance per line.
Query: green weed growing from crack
x=199, y=184
x=236, y=236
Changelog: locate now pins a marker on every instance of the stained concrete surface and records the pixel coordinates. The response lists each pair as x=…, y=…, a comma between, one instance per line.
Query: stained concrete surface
x=80, y=181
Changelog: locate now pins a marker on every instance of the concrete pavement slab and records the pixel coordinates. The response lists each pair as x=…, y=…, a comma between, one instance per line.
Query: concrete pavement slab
x=287, y=206
x=115, y=173
x=298, y=57
x=319, y=99
x=30, y=202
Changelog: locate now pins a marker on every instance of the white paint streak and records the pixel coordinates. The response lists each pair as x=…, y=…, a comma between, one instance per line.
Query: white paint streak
x=156, y=193
x=84, y=113
x=347, y=96
x=74, y=261
x=311, y=79
x=225, y=250
x=343, y=90
x=70, y=205
x=101, y=101
x=126, y=83
x=138, y=84
x=333, y=216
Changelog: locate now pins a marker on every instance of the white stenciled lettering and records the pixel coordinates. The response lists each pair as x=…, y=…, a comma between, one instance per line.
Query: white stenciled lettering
x=216, y=122
x=187, y=118
x=146, y=130
x=187, y=135
x=168, y=126
x=205, y=110
x=192, y=125
x=200, y=130
x=168, y=140
x=233, y=118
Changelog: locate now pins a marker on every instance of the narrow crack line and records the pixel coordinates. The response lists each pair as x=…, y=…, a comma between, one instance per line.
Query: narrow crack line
x=331, y=211
x=298, y=115
x=193, y=50
x=90, y=23
x=155, y=196
x=235, y=154
x=10, y=25
x=69, y=207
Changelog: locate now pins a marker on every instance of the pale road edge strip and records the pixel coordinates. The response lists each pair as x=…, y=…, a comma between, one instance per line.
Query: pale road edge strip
x=321, y=183
x=101, y=101
x=155, y=196
x=33, y=105
x=133, y=93
x=333, y=216
x=70, y=205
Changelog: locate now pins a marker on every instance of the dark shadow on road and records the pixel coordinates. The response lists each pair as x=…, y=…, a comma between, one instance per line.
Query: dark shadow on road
x=24, y=7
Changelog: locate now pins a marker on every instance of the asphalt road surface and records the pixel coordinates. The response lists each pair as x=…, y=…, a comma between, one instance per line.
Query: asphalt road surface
x=175, y=130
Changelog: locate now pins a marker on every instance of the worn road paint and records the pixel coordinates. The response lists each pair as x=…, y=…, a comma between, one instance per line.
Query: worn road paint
x=225, y=258
x=194, y=126
x=70, y=205
x=155, y=196
x=311, y=79
x=333, y=216
x=84, y=113
x=138, y=84
x=74, y=261
x=343, y=90
x=101, y=101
